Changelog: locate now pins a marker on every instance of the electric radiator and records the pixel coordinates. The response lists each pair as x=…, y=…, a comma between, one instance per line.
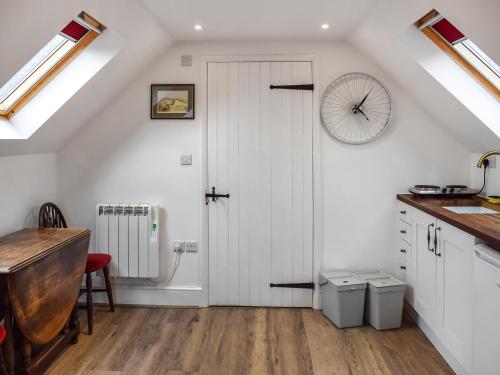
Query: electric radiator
x=129, y=233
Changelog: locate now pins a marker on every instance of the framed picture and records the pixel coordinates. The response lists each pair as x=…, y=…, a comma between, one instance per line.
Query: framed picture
x=172, y=101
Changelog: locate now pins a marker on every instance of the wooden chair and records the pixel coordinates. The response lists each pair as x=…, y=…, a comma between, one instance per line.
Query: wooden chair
x=50, y=216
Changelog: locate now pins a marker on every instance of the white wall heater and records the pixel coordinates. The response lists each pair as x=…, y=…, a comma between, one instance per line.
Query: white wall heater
x=129, y=233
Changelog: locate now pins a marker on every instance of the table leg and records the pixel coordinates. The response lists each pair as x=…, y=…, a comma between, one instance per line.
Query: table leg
x=8, y=345
x=74, y=324
x=26, y=355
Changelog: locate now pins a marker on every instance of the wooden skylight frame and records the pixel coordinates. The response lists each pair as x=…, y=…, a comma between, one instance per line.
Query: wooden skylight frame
x=425, y=25
x=94, y=29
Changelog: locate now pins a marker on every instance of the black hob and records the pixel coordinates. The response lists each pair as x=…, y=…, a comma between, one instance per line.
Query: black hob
x=447, y=190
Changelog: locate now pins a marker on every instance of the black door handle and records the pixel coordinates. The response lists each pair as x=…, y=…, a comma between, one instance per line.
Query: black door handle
x=214, y=196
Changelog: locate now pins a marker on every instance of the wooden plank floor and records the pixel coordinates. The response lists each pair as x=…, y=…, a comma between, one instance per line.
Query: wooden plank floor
x=242, y=341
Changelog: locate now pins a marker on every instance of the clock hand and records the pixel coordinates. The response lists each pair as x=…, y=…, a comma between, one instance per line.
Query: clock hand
x=366, y=96
x=361, y=111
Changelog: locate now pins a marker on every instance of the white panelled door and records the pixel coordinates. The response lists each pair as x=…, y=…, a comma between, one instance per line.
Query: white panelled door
x=260, y=152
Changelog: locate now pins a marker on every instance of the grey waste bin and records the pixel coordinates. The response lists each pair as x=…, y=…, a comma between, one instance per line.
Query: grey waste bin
x=342, y=298
x=384, y=300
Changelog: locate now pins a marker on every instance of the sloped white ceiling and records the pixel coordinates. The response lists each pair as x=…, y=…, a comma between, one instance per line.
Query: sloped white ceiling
x=379, y=36
x=145, y=40
x=259, y=19
x=150, y=27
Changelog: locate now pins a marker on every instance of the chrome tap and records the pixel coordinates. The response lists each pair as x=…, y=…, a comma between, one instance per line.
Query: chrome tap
x=485, y=156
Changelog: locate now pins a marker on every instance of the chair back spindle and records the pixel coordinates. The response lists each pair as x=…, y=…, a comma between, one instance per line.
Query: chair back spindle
x=50, y=216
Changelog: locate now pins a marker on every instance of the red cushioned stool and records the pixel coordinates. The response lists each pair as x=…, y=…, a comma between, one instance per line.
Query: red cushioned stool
x=3, y=333
x=51, y=217
x=96, y=262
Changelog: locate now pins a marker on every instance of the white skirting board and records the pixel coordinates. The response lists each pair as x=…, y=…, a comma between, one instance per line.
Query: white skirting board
x=448, y=357
x=150, y=296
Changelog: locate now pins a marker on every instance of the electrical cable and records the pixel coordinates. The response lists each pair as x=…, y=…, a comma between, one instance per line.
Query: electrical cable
x=177, y=262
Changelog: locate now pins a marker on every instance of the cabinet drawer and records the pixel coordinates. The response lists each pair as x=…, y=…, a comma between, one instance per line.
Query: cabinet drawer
x=404, y=249
x=404, y=230
x=404, y=212
x=403, y=270
x=404, y=274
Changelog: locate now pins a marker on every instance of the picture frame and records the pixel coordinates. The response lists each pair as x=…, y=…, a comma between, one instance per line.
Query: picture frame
x=172, y=101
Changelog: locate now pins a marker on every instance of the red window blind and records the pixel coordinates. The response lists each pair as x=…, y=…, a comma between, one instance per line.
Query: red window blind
x=74, y=31
x=448, y=31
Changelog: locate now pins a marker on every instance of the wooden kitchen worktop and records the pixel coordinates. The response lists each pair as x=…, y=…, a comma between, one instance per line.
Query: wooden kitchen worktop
x=483, y=226
x=28, y=245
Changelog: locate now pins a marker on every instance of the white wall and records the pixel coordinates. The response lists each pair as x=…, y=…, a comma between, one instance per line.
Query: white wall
x=492, y=176
x=122, y=155
x=27, y=182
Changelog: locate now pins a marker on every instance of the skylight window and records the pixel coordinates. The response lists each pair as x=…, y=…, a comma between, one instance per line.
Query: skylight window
x=47, y=63
x=461, y=49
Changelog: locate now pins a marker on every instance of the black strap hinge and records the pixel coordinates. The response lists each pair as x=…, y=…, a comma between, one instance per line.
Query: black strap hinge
x=293, y=285
x=309, y=87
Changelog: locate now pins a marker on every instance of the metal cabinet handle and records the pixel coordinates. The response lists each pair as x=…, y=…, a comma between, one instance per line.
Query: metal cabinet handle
x=403, y=250
x=436, y=241
x=403, y=231
x=402, y=212
x=402, y=267
x=429, y=237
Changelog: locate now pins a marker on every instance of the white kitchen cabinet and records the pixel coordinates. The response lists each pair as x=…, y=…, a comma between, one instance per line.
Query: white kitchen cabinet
x=486, y=350
x=404, y=249
x=424, y=266
x=439, y=271
x=455, y=288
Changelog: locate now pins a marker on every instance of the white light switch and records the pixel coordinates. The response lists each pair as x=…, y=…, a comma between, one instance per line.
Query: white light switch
x=192, y=246
x=186, y=159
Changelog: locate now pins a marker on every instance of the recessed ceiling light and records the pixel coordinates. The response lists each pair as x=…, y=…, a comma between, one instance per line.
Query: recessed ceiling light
x=325, y=26
x=198, y=27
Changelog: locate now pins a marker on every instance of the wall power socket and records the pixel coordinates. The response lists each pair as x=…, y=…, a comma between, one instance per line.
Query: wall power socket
x=493, y=162
x=192, y=246
x=179, y=246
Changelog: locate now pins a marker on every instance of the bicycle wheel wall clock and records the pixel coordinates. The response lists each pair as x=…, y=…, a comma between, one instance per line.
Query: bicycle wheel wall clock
x=355, y=108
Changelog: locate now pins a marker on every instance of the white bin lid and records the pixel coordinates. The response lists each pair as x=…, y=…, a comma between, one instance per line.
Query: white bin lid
x=368, y=275
x=347, y=283
x=324, y=276
x=385, y=282
x=335, y=273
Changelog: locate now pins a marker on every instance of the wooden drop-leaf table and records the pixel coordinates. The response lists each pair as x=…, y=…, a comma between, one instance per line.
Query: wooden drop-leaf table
x=40, y=276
